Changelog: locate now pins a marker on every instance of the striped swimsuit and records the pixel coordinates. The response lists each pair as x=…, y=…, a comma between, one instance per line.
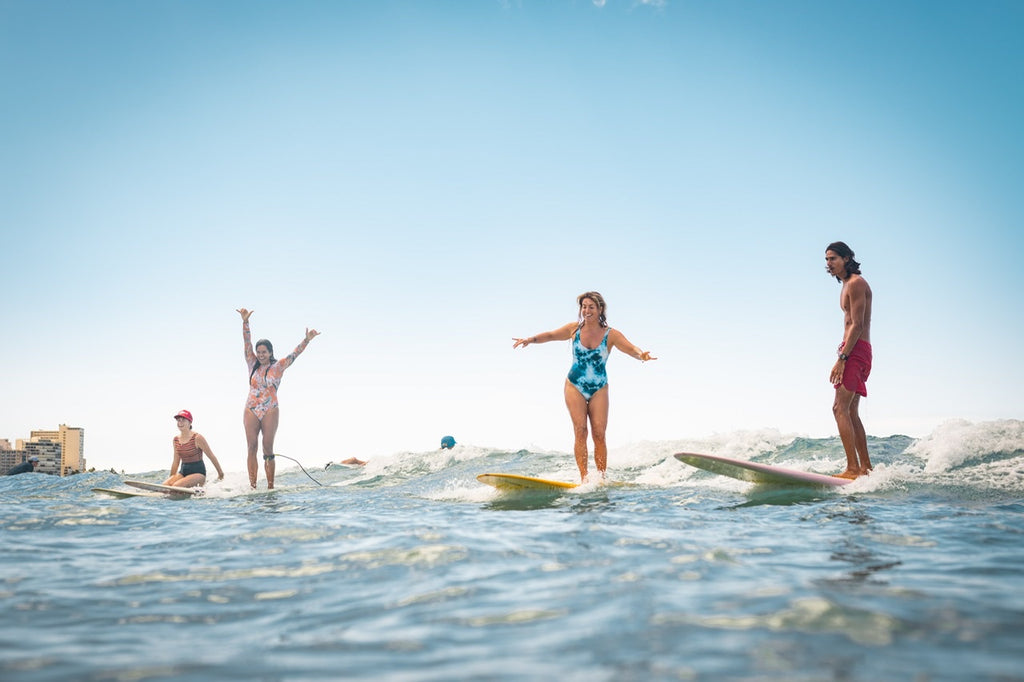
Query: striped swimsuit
x=190, y=455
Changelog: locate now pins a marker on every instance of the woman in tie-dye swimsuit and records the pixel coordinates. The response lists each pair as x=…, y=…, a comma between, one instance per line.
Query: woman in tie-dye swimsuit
x=586, y=387
x=261, y=408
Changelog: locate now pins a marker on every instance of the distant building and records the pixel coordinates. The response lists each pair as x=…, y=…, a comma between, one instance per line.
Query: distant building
x=9, y=457
x=60, y=452
x=70, y=459
x=48, y=453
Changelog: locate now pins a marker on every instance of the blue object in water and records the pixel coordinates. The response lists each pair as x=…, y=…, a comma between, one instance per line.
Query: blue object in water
x=447, y=443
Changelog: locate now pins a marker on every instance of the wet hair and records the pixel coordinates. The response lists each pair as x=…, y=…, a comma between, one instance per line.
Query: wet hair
x=601, y=306
x=270, y=347
x=846, y=253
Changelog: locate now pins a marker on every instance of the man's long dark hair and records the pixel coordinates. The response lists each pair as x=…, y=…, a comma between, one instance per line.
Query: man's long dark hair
x=845, y=252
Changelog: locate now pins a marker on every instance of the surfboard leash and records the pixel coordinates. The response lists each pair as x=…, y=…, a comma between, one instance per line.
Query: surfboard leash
x=301, y=467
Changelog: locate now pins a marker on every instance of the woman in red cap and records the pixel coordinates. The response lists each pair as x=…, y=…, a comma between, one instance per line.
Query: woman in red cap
x=261, y=409
x=189, y=448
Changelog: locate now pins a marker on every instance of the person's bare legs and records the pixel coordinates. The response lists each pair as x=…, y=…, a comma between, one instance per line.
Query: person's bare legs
x=252, y=433
x=598, y=411
x=851, y=432
x=860, y=436
x=577, y=405
x=190, y=481
x=269, y=427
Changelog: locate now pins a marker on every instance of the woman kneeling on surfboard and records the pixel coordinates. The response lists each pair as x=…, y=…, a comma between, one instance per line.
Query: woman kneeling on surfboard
x=586, y=387
x=189, y=448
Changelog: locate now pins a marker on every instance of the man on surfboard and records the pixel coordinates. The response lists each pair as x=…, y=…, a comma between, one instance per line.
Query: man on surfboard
x=851, y=370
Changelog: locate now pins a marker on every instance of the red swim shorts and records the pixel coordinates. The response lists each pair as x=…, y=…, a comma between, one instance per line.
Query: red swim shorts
x=858, y=368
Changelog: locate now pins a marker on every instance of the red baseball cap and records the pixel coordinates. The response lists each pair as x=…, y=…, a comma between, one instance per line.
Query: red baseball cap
x=186, y=414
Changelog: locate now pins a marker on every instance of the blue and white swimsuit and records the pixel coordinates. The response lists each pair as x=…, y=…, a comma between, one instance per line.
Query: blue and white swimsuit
x=587, y=373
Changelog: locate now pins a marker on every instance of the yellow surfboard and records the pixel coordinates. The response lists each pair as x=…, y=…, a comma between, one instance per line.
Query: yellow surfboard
x=517, y=482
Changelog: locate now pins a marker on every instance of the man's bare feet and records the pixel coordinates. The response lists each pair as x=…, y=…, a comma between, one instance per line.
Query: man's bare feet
x=853, y=473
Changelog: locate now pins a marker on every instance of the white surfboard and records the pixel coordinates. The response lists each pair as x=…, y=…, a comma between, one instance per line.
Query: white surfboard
x=517, y=482
x=166, y=489
x=122, y=493
x=758, y=473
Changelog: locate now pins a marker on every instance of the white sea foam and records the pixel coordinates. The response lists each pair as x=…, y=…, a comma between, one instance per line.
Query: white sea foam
x=958, y=442
x=957, y=452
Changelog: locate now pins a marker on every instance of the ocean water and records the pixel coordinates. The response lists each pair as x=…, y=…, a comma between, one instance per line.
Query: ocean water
x=409, y=569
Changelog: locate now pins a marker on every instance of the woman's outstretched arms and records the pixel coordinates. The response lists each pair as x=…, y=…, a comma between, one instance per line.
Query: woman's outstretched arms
x=563, y=333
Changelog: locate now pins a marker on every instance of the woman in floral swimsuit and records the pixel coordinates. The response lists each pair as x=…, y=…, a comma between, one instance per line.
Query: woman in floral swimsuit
x=261, y=408
x=586, y=387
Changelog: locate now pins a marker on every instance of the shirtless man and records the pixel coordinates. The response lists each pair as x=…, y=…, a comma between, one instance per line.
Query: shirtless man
x=851, y=370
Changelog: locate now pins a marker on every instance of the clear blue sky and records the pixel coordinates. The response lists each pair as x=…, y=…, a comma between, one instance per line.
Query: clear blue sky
x=423, y=181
